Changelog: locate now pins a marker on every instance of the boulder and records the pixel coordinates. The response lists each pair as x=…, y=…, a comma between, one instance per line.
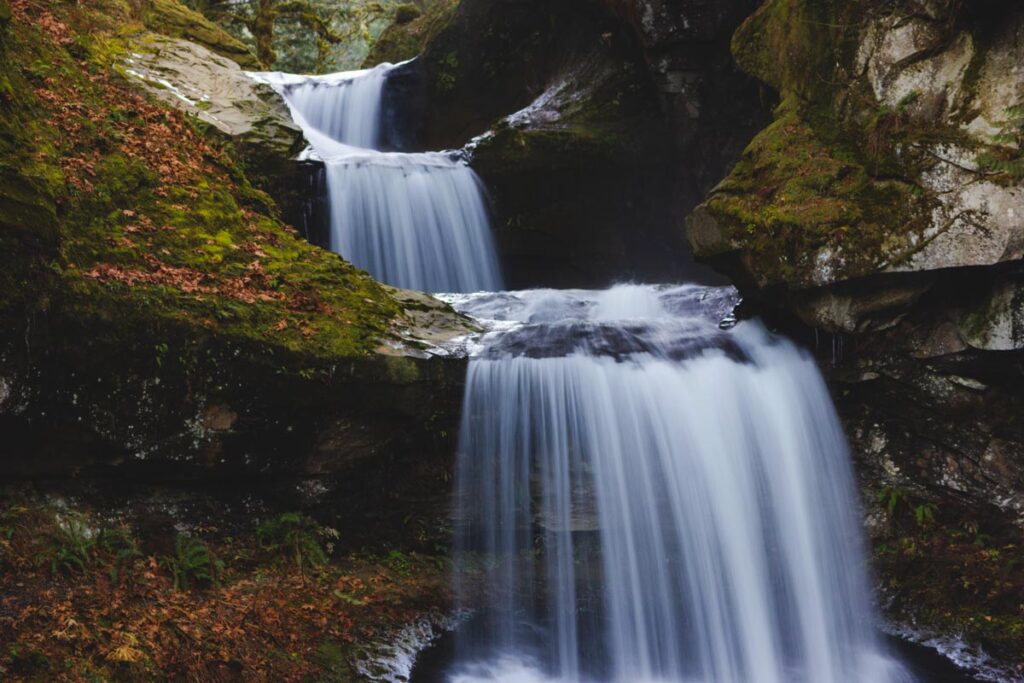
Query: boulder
x=190, y=77
x=172, y=18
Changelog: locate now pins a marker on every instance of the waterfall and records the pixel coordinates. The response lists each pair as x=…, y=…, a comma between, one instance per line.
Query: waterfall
x=414, y=220
x=650, y=498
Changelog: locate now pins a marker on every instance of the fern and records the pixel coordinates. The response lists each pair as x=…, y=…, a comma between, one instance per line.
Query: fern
x=193, y=563
x=72, y=546
x=1008, y=158
x=294, y=535
x=120, y=544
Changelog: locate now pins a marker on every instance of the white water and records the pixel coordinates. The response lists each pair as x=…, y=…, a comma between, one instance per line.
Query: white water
x=418, y=221
x=655, y=499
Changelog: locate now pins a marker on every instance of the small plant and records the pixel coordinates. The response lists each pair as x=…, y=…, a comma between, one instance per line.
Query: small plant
x=72, y=546
x=399, y=562
x=8, y=518
x=193, y=563
x=897, y=503
x=1009, y=158
x=294, y=535
x=892, y=499
x=924, y=514
x=120, y=544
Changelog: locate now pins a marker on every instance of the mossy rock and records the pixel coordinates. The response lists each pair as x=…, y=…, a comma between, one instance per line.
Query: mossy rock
x=159, y=320
x=406, y=13
x=173, y=19
x=137, y=214
x=838, y=187
x=796, y=194
x=411, y=31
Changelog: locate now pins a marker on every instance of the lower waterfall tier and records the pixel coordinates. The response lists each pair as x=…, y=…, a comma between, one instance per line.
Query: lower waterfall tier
x=656, y=510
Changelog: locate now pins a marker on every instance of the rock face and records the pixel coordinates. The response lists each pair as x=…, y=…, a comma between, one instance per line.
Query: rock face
x=905, y=160
x=574, y=104
x=881, y=217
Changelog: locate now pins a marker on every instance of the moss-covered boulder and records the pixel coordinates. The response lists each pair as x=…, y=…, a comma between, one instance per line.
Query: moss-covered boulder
x=172, y=18
x=887, y=153
x=411, y=31
x=160, y=322
x=249, y=115
x=566, y=174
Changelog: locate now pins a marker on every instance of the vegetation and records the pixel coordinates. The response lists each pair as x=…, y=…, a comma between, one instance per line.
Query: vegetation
x=942, y=570
x=1008, y=158
x=214, y=606
x=410, y=32
x=193, y=563
x=294, y=536
x=119, y=210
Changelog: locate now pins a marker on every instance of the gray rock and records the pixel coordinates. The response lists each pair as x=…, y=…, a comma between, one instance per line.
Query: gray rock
x=997, y=324
x=216, y=90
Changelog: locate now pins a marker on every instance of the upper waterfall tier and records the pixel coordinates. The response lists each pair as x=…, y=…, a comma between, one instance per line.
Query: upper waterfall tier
x=414, y=220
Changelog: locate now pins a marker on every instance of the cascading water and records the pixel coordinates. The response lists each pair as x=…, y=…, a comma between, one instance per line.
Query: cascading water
x=412, y=220
x=652, y=498
x=646, y=492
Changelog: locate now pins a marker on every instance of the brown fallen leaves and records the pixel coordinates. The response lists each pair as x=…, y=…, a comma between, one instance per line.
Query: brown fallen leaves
x=37, y=13
x=265, y=621
x=248, y=288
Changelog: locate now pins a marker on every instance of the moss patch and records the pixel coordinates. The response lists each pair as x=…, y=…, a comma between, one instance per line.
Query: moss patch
x=411, y=31
x=829, y=191
x=115, y=208
x=171, y=18
x=796, y=192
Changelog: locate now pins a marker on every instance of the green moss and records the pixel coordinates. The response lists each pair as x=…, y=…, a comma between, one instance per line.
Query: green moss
x=130, y=220
x=408, y=35
x=171, y=18
x=406, y=13
x=795, y=193
x=837, y=172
